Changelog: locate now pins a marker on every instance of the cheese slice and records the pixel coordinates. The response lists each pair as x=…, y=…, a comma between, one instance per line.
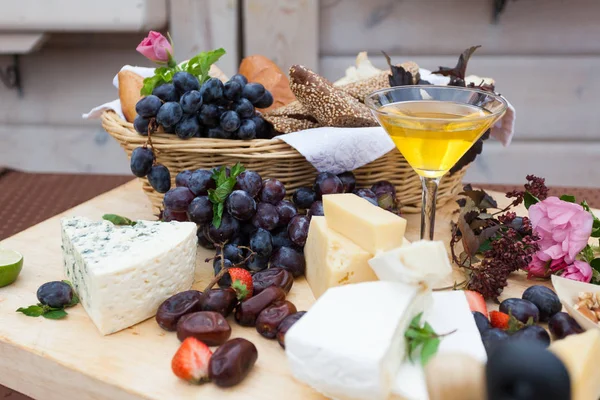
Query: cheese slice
x=350, y=344
x=423, y=261
x=123, y=273
x=580, y=354
x=332, y=259
x=371, y=227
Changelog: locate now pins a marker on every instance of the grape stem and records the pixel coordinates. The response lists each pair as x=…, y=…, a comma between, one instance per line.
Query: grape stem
x=152, y=127
x=224, y=270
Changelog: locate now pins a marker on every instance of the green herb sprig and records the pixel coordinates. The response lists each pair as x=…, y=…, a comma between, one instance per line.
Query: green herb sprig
x=224, y=186
x=422, y=337
x=118, y=219
x=48, y=312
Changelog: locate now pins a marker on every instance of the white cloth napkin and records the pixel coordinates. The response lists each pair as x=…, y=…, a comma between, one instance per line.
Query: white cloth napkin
x=331, y=149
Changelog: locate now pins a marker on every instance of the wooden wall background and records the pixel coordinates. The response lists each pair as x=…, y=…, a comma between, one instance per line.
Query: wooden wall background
x=544, y=56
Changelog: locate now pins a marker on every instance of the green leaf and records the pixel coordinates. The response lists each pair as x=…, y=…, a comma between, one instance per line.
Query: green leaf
x=596, y=223
x=429, y=349
x=31, y=311
x=567, y=197
x=416, y=321
x=237, y=169
x=199, y=65
x=485, y=246
x=595, y=264
x=118, y=220
x=150, y=83
x=529, y=199
x=595, y=276
x=412, y=346
x=224, y=187
x=55, y=314
x=587, y=254
x=75, y=299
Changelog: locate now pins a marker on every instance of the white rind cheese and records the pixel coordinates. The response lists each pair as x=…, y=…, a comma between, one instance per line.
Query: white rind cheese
x=123, y=273
x=350, y=344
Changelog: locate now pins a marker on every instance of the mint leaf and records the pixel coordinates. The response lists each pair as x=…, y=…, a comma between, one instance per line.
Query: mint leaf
x=199, y=65
x=150, y=83
x=55, y=314
x=31, y=311
x=529, y=199
x=567, y=197
x=429, y=349
x=117, y=220
x=75, y=299
x=224, y=188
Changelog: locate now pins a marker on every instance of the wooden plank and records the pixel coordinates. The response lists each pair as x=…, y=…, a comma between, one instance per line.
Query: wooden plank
x=200, y=25
x=21, y=43
x=447, y=26
x=555, y=97
x=83, y=16
x=285, y=31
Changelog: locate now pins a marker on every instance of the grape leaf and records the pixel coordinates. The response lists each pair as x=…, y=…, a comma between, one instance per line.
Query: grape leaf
x=55, y=314
x=529, y=200
x=31, y=311
x=569, y=198
x=118, y=220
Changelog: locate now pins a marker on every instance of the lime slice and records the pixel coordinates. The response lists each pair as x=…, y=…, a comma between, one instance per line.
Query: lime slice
x=11, y=263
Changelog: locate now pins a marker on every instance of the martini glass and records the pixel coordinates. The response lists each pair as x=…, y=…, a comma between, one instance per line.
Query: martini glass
x=433, y=127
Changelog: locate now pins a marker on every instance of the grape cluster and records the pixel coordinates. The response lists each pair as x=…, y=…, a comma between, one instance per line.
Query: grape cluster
x=214, y=109
x=259, y=227
x=143, y=163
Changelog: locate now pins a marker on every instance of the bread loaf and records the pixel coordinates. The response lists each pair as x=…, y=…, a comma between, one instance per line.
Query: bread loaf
x=331, y=106
x=215, y=72
x=261, y=70
x=130, y=85
x=285, y=124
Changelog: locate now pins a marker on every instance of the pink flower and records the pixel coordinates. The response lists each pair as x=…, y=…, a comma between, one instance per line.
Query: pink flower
x=578, y=271
x=564, y=228
x=538, y=268
x=155, y=47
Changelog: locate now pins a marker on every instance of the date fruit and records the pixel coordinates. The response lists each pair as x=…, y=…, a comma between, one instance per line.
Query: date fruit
x=232, y=362
x=222, y=301
x=175, y=307
x=269, y=319
x=207, y=326
x=562, y=325
x=286, y=324
x=272, y=277
x=247, y=311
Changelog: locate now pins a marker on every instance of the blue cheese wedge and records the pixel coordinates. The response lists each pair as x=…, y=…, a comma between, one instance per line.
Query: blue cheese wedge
x=123, y=273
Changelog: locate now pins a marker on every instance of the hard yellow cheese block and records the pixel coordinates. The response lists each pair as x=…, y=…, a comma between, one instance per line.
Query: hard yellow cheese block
x=372, y=228
x=580, y=354
x=332, y=259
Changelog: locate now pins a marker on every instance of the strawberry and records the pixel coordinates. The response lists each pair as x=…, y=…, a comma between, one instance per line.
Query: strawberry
x=476, y=302
x=499, y=320
x=190, y=363
x=241, y=282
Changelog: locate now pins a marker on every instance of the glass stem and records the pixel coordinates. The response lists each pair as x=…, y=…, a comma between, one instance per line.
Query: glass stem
x=430, y=187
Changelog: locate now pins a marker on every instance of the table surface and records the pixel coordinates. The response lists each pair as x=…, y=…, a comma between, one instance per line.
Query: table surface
x=87, y=187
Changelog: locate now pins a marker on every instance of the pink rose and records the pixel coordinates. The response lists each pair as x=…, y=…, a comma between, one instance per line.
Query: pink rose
x=564, y=228
x=538, y=268
x=578, y=271
x=155, y=47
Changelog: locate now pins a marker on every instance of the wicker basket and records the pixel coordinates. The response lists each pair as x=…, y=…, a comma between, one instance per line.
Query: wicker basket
x=273, y=159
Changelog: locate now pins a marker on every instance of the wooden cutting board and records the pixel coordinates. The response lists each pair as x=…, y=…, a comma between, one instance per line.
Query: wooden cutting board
x=70, y=359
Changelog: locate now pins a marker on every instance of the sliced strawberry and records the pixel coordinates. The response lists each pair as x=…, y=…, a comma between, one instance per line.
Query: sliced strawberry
x=476, y=302
x=499, y=320
x=241, y=282
x=190, y=363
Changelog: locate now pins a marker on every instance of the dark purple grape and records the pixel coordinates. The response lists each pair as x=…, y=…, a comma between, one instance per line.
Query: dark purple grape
x=233, y=253
x=239, y=78
x=226, y=231
x=142, y=159
x=544, y=299
x=286, y=211
x=316, y=209
x=533, y=332
x=185, y=82
x=273, y=191
x=562, y=325
x=483, y=324
x=218, y=133
x=521, y=309
x=244, y=108
x=348, y=181
x=166, y=92
x=264, y=130
x=327, y=183
x=202, y=240
x=368, y=195
x=258, y=263
x=191, y=102
x=261, y=243
x=160, y=178
x=140, y=124
x=209, y=115
x=240, y=205
x=169, y=114
x=188, y=127
x=183, y=178
x=298, y=229
x=200, y=181
x=265, y=101
x=212, y=90
x=388, y=202
x=304, y=197
x=232, y=90
x=170, y=215
x=290, y=260
x=178, y=199
x=247, y=130
x=148, y=106
x=175, y=307
x=200, y=210
x=492, y=338
x=56, y=294
x=253, y=92
x=381, y=187
x=225, y=280
x=281, y=238
x=266, y=216
x=250, y=182
x=230, y=121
